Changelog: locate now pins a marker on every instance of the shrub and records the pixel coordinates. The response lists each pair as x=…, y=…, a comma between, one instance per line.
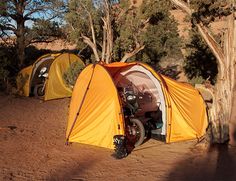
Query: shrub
x=196, y=80
x=3, y=69
x=70, y=76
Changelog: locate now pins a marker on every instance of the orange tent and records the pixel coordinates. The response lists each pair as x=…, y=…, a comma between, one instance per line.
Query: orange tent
x=95, y=113
x=57, y=65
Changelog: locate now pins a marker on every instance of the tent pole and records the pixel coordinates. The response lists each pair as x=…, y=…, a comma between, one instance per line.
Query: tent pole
x=77, y=114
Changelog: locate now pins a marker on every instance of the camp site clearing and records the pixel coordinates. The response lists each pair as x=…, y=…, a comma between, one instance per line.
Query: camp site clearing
x=32, y=138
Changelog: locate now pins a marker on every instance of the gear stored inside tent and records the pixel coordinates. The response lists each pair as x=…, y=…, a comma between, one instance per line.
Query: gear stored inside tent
x=56, y=65
x=96, y=116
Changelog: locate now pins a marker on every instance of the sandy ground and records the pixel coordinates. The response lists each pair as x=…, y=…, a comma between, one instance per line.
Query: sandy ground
x=32, y=139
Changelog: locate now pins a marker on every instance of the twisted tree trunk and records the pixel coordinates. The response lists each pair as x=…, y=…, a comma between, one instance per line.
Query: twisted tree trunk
x=221, y=111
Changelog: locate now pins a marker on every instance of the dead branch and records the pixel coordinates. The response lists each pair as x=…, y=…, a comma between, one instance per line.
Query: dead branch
x=130, y=54
x=87, y=40
x=109, y=33
x=82, y=49
x=90, y=22
x=92, y=45
x=213, y=45
x=104, y=40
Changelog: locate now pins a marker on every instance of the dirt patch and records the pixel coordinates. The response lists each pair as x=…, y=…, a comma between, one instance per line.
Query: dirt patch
x=32, y=138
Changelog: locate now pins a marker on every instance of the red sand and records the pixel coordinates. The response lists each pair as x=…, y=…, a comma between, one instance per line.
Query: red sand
x=32, y=138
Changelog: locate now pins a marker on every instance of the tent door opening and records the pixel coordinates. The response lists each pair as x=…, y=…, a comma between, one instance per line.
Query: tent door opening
x=150, y=106
x=37, y=80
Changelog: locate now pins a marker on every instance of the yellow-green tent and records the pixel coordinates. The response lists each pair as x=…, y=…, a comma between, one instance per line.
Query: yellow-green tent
x=95, y=113
x=57, y=64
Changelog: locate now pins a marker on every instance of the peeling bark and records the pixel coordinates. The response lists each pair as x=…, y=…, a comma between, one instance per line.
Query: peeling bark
x=92, y=45
x=220, y=113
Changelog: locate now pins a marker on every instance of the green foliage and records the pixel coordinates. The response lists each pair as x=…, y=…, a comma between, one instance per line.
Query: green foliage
x=196, y=80
x=78, y=21
x=21, y=81
x=160, y=35
x=150, y=25
x=72, y=73
x=30, y=21
x=32, y=54
x=44, y=12
x=206, y=11
x=200, y=63
x=170, y=71
x=44, y=30
x=3, y=66
x=8, y=65
x=3, y=4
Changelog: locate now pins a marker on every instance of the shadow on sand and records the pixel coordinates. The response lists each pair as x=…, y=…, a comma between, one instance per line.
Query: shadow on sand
x=73, y=171
x=216, y=164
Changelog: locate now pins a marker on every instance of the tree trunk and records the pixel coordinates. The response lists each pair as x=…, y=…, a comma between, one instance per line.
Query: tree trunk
x=220, y=114
x=232, y=56
x=221, y=111
x=232, y=124
x=130, y=54
x=108, y=36
x=92, y=45
x=20, y=43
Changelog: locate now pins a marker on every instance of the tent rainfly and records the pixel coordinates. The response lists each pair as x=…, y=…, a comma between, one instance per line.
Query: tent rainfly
x=95, y=113
x=57, y=65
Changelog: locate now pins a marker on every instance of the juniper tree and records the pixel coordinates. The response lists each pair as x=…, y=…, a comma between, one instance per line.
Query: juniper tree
x=120, y=31
x=202, y=13
x=18, y=16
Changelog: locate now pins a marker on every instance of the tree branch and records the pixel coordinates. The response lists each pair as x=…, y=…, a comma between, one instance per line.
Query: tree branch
x=92, y=45
x=87, y=40
x=3, y=36
x=130, y=54
x=145, y=24
x=82, y=49
x=27, y=15
x=183, y=6
x=109, y=34
x=213, y=45
x=5, y=28
x=91, y=23
x=104, y=41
